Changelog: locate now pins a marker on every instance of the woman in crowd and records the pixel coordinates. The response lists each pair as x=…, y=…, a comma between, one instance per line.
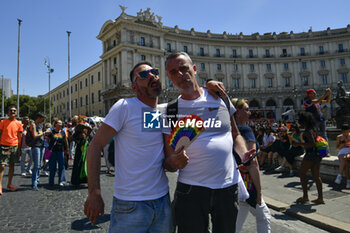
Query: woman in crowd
x=260, y=136
x=58, y=144
x=81, y=137
x=47, y=129
x=343, y=145
x=26, y=150
x=311, y=159
x=266, y=150
x=294, y=151
x=250, y=174
x=279, y=148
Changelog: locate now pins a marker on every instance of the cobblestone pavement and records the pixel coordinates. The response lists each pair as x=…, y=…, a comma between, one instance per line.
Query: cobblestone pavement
x=60, y=209
x=51, y=209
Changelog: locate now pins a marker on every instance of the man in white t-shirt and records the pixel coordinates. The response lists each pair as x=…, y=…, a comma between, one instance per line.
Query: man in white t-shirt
x=208, y=175
x=141, y=201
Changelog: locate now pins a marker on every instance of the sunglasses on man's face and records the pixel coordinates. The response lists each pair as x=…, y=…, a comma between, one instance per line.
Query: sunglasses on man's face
x=144, y=74
x=12, y=110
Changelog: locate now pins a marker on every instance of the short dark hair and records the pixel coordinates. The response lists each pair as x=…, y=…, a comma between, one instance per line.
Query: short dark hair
x=345, y=127
x=136, y=66
x=307, y=119
x=11, y=106
x=39, y=115
x=174, y=55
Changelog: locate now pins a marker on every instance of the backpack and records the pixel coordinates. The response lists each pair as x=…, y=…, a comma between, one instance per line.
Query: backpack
x=322, y=147
x=29, y=139
x=111, y=153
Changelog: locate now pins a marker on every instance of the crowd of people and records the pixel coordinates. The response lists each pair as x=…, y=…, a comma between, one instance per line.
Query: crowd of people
x=44, y=149
x=218, y=172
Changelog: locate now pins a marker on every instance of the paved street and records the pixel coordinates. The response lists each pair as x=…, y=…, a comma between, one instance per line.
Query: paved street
x=61, y=209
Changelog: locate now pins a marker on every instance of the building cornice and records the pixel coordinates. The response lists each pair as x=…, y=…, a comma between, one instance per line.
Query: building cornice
x=144, y=20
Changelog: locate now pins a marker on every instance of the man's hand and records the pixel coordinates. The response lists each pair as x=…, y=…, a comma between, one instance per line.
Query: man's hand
x=248, y=156
x=93, y=207
x=347, y=157
x=178, y=159
x=215, y=87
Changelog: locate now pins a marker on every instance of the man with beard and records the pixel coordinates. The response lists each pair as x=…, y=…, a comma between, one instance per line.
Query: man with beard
x=10, y=139
x=141, y=200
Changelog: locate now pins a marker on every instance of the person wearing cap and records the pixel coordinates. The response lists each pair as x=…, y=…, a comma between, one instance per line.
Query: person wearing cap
x=312, y=105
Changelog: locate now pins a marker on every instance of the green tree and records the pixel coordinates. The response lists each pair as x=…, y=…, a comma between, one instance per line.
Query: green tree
x=28, y=106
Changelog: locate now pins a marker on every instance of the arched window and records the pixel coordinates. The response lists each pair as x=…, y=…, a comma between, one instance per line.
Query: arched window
x=271, y=103
x=288, y=102
x=254, y=104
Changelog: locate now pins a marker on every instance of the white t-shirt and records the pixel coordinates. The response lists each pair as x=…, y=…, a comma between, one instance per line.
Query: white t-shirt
x=211, y=162
x=139, y=155
x=267, y=139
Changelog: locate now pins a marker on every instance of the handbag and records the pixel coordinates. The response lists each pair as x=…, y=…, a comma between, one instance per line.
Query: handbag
x=48, y=152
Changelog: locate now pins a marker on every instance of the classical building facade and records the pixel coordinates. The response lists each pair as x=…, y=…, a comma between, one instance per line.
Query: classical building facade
x=86, y=98
x=271, y=70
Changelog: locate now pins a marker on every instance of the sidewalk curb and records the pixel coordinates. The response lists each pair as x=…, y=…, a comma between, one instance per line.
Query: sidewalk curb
x=317, y=220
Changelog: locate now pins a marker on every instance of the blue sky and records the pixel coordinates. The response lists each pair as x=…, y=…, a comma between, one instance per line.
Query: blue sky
x=45, y=22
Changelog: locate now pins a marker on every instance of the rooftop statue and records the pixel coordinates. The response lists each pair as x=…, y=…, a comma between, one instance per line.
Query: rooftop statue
x=123, y=8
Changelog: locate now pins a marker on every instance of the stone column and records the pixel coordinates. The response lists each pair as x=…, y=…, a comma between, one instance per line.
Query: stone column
x=124, y=66
x=279, y=109
x=163, y=77
x=108, y=72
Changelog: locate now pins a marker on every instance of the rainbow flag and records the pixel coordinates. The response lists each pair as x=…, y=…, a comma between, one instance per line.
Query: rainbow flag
x=322, y=146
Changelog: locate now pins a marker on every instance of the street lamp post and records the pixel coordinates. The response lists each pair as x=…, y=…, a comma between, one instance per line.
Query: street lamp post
x=2, y=98
x=19, y=39
x=49, y=70
x=69, y=83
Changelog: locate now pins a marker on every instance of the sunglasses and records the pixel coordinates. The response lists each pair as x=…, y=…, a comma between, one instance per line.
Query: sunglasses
x=144, y=74
x=12, y=110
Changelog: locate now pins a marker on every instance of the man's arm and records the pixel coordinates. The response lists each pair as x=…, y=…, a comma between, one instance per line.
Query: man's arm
x=215, y=88
x=322, y=99
x=32, y=129
x=329, y=97
x=174, y=160
x=19, y=136
x=239, y=142
x=94, y=205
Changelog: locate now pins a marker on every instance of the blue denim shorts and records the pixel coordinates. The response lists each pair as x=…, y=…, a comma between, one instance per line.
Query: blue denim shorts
x=141, y=216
